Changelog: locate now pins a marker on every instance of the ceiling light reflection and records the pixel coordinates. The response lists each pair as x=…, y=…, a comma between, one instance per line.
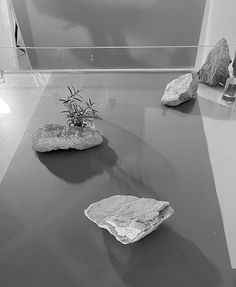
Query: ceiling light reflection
x=4, y=108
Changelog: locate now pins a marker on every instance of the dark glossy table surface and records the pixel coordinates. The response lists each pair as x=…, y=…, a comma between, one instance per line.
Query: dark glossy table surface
x=148, y=151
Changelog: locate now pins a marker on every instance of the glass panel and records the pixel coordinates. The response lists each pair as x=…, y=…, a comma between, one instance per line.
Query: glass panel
x=102, y=34
x=107, y=58
x=96, y=23
x=149, y=58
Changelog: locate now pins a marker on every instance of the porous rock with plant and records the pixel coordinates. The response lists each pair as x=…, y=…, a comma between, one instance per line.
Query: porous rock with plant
x=80, y=133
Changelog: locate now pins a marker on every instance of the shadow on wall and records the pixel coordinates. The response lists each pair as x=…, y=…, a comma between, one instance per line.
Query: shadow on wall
x=124, y=23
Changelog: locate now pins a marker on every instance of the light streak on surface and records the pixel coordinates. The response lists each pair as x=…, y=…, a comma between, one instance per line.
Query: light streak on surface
x=4, y=107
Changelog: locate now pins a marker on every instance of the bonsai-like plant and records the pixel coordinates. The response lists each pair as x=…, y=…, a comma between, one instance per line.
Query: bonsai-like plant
x=77, y=113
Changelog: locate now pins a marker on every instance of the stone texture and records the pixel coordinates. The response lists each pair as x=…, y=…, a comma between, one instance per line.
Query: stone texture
x=127, y=217
x=55, y=136
x=215, y=69
x=181, y=90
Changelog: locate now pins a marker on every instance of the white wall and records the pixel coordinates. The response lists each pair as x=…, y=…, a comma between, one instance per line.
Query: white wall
x=8, y=58
x=221, y=22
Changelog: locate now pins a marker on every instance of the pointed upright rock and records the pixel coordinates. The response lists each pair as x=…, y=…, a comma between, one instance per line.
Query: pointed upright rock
x=215, y=69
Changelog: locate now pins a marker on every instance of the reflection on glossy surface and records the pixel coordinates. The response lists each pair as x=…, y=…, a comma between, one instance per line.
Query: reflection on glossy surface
x=94, y=88
x=4, y=107
x=115, y=23
x=80, y=23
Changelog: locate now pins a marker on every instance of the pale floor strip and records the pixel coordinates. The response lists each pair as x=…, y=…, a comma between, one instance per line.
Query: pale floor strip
x=8, y=57
x=219, y=126
x=17, y=105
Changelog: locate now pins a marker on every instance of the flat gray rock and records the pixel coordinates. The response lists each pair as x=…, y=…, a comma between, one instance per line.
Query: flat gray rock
x=181, y=90
x=127, y=217
x=215, y=69
x=54, y=137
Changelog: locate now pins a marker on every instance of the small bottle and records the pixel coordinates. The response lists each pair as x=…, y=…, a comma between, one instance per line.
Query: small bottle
x=2, y=78
x=229, y=93
x=234, y=66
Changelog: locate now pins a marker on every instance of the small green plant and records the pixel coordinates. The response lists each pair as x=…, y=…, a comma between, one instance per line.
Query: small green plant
x=76, y=112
